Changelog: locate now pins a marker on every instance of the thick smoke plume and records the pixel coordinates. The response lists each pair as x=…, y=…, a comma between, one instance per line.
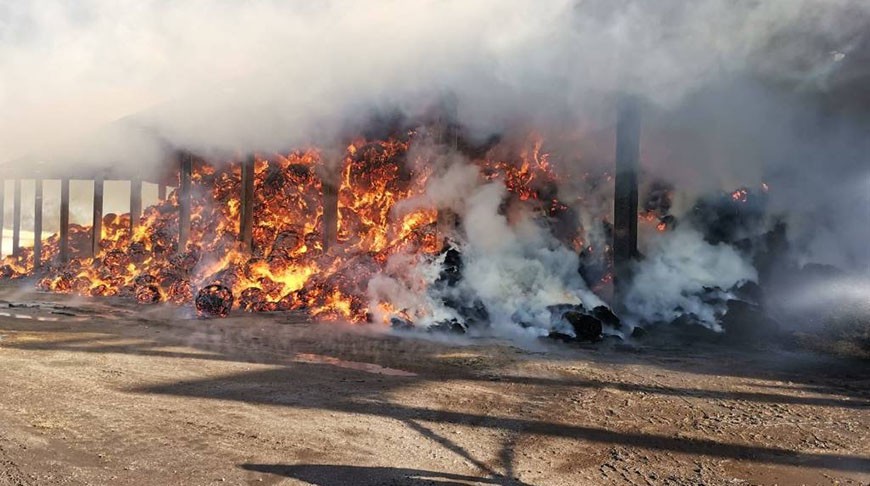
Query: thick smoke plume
x=264, y=75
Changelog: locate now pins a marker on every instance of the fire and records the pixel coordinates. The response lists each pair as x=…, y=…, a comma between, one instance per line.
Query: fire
x=290, y=266
x=740, y=195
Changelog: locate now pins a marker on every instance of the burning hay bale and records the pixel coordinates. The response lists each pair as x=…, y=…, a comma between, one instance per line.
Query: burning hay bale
x=253, y=299
x=214, y=301
x=148, y=294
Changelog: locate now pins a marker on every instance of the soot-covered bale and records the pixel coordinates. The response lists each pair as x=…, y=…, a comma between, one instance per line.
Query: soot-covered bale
x=214, y=301
x=586, y=327
x=451, y=269
x=688, y=329
x=401, y=324
x=746, y=322
x=607, y=317
x=451, y=326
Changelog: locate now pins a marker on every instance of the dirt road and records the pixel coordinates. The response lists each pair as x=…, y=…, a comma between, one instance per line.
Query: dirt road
x=92, y=393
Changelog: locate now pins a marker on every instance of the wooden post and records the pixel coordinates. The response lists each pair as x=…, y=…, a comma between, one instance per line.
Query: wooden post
x=625, y=197
x=447, y=134
x=161, y=192
x=2, y=212
x=135, y=204
x=246, y=226
x=64, y=220
x=16, y=217
x=185, y=170
x=97, y=226
x=37, y=224
x=330, y=212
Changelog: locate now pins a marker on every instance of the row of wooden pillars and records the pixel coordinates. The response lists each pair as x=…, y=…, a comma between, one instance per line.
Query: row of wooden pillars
x=97, y=219
x=330, y=200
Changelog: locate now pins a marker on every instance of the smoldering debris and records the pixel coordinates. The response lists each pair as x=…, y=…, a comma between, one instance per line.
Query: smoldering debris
x=214, y=301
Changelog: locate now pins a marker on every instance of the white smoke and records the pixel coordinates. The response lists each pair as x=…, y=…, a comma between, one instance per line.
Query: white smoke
x=263, y=74
x=670, y=280
x=512, y=265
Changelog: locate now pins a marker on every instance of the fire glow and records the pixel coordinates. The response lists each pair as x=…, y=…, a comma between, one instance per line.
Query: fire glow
x=290, y=266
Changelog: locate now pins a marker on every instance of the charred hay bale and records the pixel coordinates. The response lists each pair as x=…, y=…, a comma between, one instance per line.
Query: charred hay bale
x=450, y=326
x=226, y=277
x=145, y=279
x=252, y=299
x=558, y=310
x=300, y=172
x=186, y=260
x=81, y=285
x=214, y=301
x=688, y=329
x=586, y=327
x=101, y=290
x=163, y=241
x=400, y=324
x=746, y=322
x=148, y=294
x=472, y=315
x=274, y=181
x=726, y=217
x=607, y=317
x=115, y=260
x=180, y=291
x=451, y=269
x=138, y=252
x=561, y=337
x=748, y=291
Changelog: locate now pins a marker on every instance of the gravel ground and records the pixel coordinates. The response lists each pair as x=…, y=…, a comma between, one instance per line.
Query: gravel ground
x=103, y=392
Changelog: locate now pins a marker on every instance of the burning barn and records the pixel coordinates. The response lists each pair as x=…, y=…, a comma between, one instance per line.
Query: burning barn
x=360, y=234
x=474, y=213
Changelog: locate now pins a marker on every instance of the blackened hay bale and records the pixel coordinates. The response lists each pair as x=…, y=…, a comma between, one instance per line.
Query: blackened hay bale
x=214, y=301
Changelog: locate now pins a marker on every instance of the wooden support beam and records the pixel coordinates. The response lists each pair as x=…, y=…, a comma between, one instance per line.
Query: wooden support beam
x=135, y=203
x=626, y=194
x=185, y=170
x=37, y=224
x=445, y=225
x=161, y=192
x=16, y=217
x=246, y=226
x=2, y=212
x=330, y=212
x=64, y=220
x=97, y=225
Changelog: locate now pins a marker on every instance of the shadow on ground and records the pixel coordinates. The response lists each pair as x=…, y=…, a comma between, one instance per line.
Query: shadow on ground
x=338, y=475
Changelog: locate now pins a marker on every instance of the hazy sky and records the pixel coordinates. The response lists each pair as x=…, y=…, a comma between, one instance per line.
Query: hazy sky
x=263, y=73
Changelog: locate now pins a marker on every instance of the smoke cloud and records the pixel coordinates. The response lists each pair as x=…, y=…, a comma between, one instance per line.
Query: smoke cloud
x=265, y=75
